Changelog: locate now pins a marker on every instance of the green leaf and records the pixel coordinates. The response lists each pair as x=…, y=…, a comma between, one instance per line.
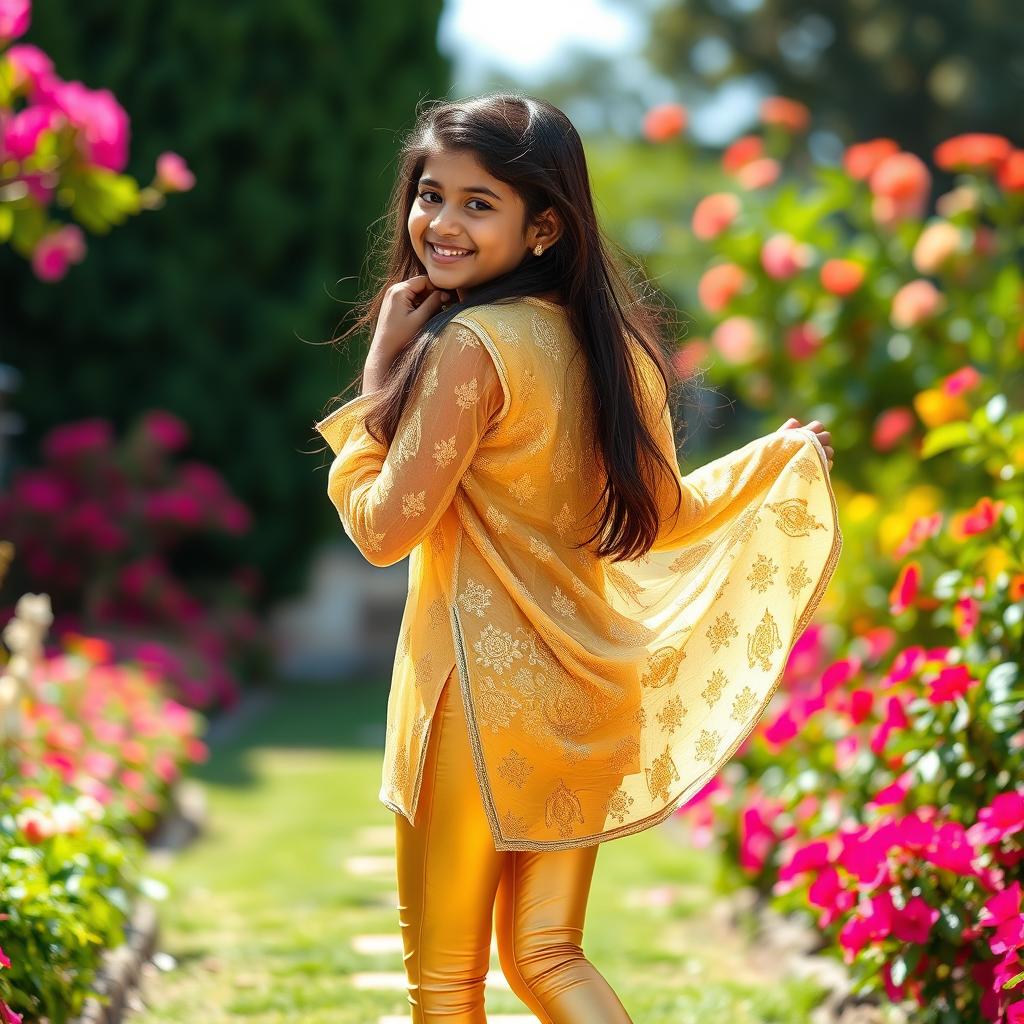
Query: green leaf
x=947, y=437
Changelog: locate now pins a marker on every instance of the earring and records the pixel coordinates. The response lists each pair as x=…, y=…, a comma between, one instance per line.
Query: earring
x=538, y=249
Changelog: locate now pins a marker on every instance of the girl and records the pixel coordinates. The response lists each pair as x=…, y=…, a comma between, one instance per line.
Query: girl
x=588, y=635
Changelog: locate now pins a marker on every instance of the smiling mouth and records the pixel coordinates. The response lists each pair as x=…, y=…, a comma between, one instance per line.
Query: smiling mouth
x=453, y=254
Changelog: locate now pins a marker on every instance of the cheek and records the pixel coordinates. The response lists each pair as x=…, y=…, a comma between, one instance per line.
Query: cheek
x=417, y=223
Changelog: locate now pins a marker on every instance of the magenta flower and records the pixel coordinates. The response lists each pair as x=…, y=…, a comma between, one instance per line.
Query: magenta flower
x=952, y=682
x=165, y=430
x=21, y=133
x=73, y=440
x=101, y=122
x=55, y=252
x=173, y=174
x=32, y=68
x=1003, y=817
x=14, y=21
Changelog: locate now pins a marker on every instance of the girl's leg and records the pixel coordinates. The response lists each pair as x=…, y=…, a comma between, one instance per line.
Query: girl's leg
x=539, y=913
x=448, y=873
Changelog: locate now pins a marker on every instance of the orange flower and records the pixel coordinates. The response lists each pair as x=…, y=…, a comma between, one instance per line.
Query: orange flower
x=719, y=285
x=900, y=184
x=1011, y=174
x=782, y=256
x=741, y=152
x=974, y=151
x=1017, y=587
x=714, y=213
x=935, y=407
x=665, y=121
x=861, y=159
x=915, y=302
x=758, y=173
x=792, y=115
x=841, y=277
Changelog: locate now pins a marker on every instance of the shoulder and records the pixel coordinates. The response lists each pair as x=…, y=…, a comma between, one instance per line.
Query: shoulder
x=465, y=348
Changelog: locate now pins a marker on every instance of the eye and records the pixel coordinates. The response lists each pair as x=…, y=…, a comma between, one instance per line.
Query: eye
x=429, y=192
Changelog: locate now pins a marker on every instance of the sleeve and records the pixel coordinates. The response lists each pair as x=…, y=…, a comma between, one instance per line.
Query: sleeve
x=389, y=499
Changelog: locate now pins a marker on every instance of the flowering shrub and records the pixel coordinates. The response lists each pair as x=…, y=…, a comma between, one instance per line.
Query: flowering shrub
x=114, y=534
x=86, y=779
x=881, y=796
x=65, y=144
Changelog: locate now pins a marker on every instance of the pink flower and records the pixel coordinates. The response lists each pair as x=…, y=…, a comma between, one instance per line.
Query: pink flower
x=904, y=590
x=175, y=507
x=920, y=530
x=891, y=427
x=40, y=491
x=861, y=159
x=743, y=151
x=165, y=430
x=101, y=122
x=720, y=284
x=86, y=437
x=21, y=133
x=738, y=340
x=782, y=256
x=173, y=174
x=914, y=922
x=55, y=252
x=714, y=214
x=803, y=341
x=1003, y=817
x=916, y=302
x=952, y=682
x=14, y=19
x=31, y=67
x=5, y=960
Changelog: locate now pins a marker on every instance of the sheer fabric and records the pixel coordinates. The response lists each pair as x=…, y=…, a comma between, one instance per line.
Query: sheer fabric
x=601, y=695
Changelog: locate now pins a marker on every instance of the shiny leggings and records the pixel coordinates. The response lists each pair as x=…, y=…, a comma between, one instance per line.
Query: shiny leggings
x=451, y=880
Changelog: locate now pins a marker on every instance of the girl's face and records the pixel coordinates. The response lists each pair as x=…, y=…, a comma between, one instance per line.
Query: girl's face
x=461, y=207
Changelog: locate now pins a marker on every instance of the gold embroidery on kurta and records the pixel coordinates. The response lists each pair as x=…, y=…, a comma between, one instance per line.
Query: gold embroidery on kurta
x=762, y=573
x=430, y=380
x=691, y=557
x=807, y=468
x=512, y=825
x=712, y=693
x=744, y=705
x=466, y=395
x=563, y=521
x=496, y=649
x=515, y=769
x=563, y=809
x=409, y=443
x=414, y=504
x=563, y=463
x=437, y=614
x=523, y=489
x=721, y=631
x=707, y=745
x=496, y=519
x=423, y=670
x=671, y=715
x=444, y=452
x=618, y=804
x=495, y=707
x=466, y=338
x=661, y=774
x=475, y=599
x=545, y=336
x=506, y=331
x=563, y=604
x=793, y=519
x=763, y=642
x=797, y=579
x=663, y=666
x=540, y=550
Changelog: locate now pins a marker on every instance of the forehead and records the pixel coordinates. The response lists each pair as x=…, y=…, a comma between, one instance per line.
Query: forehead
x=460, y=169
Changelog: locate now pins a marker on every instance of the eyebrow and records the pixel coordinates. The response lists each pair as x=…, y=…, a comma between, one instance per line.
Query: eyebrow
x=470, y=188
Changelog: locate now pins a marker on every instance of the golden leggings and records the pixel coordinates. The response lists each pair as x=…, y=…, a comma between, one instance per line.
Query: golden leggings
x=450, y=882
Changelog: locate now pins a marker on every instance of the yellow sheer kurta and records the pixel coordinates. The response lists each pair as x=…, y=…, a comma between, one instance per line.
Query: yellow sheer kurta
x=600, y=695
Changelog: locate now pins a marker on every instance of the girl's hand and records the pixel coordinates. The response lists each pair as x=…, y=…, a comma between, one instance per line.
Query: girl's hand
x=407, y=306
x=823, y=435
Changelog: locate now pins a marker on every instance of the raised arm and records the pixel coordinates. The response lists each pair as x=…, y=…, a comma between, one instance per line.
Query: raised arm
x=389, y=499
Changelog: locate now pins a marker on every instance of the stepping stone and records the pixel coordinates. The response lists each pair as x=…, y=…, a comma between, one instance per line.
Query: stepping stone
x=372, y=944
x=370, y=864
x=399, y=980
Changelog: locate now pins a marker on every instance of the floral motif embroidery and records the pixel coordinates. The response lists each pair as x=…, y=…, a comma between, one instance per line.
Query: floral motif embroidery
x=540, y=550
x=512, y=825
x=466, y=338
x=617, y=805
x=721, y=631
x=563, y=604
x=662, y=773
x=515, y=769
x=430, y=381
x=475, y=599
x=712, y=693
x=744, y=705
x=545, y=336
x=564, y=461
x=523, y=489
x=671, y=715
x=496, y=649
x=414, y=504
x=762, y=573
x=663, y=666
x=797, y=579
x=495, y=707
x=807, y=468
x=466, y=395
x=444, y=452
x=506, y=331
x=563, y=521
x=496, y=520
x=437, y=614
x=409, y=443
x=707, y=745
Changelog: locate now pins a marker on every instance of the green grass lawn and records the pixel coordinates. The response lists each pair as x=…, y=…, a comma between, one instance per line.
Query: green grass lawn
x=262, y=912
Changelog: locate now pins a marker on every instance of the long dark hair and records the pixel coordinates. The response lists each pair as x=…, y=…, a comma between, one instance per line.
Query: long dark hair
x=532, y=146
